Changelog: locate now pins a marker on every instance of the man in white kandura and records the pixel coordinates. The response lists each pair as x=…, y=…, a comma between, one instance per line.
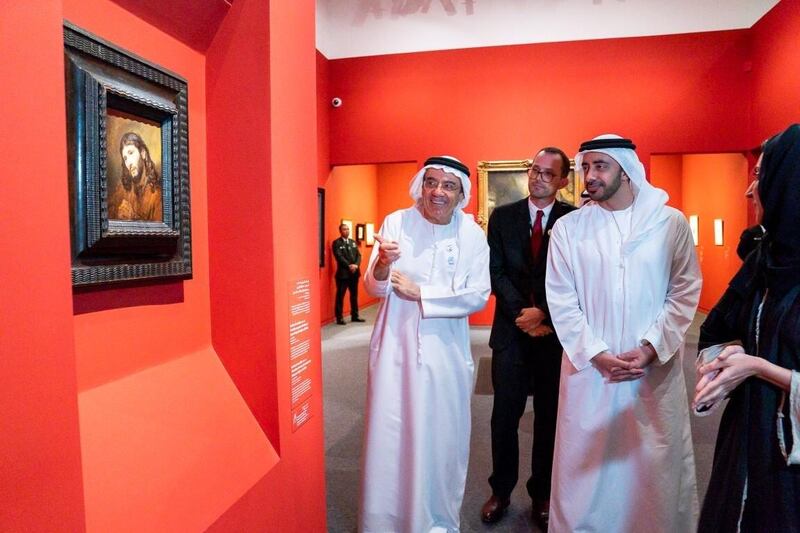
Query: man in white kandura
x=622, y=285
x=431, y=271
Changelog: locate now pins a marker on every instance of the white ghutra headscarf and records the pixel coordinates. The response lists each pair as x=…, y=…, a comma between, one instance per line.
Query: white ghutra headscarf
x=649, y=202
x=449, y=164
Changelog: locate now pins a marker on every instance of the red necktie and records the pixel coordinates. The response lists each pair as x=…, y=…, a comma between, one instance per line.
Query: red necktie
x=536, y=234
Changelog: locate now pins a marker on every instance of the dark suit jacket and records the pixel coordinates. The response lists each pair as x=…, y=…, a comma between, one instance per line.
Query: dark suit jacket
x=346, y=253
x=517, y=279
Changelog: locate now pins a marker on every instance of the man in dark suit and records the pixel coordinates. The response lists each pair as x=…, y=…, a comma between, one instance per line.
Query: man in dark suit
x=348, y=259
x=526, y=354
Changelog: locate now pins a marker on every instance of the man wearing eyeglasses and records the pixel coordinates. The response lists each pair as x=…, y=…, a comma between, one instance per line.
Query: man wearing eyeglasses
x=525, y=351
x=431, y=271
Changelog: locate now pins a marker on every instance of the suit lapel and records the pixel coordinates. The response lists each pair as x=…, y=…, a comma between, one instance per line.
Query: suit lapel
x=522, y=228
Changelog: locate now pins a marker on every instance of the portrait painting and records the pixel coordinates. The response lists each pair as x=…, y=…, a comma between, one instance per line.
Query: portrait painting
x=504, y=182
x=128, y=165
x=134, y=167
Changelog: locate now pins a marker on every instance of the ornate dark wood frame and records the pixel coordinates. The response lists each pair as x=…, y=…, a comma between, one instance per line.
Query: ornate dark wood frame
x=361, y=233
x=100, y=75
x=321, y=226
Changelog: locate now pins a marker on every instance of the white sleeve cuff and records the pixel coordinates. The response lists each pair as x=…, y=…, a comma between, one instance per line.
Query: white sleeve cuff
x=794, y=418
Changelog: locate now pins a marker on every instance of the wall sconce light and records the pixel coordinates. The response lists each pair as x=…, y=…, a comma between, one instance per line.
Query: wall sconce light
x=718, y=234
x=694, y=223
x=370, y=233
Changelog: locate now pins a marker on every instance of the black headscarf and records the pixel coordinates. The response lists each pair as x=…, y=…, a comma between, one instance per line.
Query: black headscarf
x=776, y=264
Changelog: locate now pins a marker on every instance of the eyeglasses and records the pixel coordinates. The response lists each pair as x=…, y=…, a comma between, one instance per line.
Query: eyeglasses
x=447, y=186
x=545, y=175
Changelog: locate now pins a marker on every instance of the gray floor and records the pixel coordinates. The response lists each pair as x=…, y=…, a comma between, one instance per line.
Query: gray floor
x=344, y=350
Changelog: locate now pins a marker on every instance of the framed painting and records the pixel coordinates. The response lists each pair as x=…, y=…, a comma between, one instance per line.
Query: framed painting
x=503, y=182
x=360, y=232
x=128, y=160
x=321, y=226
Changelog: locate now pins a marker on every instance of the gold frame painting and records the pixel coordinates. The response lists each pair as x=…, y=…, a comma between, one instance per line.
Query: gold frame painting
x=503, y=182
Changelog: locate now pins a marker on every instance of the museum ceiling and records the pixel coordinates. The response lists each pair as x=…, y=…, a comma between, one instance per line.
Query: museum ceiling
x=355, y=28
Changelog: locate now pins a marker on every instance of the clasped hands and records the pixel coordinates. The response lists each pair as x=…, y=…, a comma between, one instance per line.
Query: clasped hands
x=388, y=253
x=627, y=366
x=530, y=319
x=719, y=377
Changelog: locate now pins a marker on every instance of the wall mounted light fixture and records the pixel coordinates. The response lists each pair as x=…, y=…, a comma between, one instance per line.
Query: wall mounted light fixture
x=694, y=224
x=718, y=233
x=370, y=230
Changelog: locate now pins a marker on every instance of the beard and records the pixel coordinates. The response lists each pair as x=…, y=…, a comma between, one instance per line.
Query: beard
x=607, y=190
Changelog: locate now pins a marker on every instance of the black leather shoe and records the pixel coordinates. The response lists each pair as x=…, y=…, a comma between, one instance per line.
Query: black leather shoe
x=356, y=319
x=340, y=322
x=541, y=514
x=493, y=510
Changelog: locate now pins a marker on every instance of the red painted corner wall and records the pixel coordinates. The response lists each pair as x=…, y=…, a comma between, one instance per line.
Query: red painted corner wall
x=671, y=94
x=41, y=486
x=351, y=193
x=713, y=188
x=59, y=347
x=775, y=71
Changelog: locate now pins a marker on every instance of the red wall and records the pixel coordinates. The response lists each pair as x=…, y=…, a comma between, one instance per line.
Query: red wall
x=360, y=193
x=393, y=183
x=713, y=187
x=776, y=71
x=710, y=186
x=120, y=415
x=505, y=102
x=666, y=172
x=351, y=193
x=40, y=478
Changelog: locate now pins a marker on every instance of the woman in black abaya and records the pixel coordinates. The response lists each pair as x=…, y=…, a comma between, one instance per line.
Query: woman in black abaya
x=755, y=480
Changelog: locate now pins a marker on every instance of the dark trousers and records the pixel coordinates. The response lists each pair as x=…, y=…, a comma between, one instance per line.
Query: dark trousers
x=343, y=285
x=530, y=364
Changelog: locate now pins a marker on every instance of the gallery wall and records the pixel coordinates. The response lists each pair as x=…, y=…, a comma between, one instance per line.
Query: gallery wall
x=360, y=193
x=710, y=186
x=775, y=71
x=695, y=93
x=351, y=193
x=41, y=486
x=666, y=172
x=164, y=406
x=713, y=188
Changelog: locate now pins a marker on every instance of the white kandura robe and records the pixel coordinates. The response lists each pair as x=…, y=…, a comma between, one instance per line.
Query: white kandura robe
x=623, y=455
x=417, y=427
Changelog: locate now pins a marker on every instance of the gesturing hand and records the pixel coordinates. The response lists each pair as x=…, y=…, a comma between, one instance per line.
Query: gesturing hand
x=722, y=375
x=388, y=251
x=404, y=286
